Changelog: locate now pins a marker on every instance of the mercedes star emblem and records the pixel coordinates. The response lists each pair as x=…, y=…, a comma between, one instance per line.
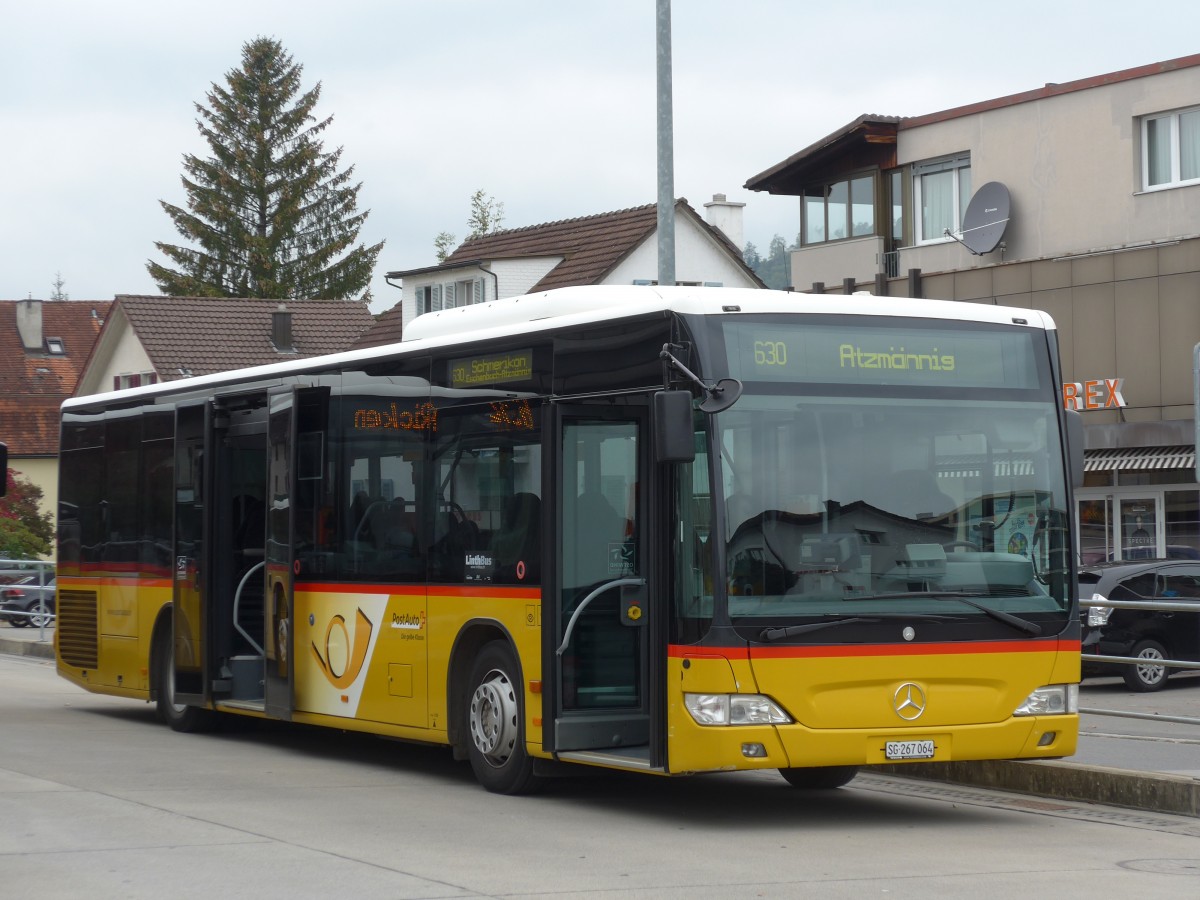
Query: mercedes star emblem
x=909, y=701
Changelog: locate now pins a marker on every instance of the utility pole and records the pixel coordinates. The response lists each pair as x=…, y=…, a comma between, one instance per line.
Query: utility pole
x=666, y=149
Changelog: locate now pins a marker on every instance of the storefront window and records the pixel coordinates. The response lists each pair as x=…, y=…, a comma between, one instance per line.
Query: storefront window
x=1137, y=529
x=1183, y=524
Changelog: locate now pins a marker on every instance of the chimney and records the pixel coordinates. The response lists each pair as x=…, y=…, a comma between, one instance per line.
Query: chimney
x=29, y=323
x=727, y=216
x=281, y=330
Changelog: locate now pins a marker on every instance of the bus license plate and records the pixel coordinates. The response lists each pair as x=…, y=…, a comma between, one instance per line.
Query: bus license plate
x=908, y=750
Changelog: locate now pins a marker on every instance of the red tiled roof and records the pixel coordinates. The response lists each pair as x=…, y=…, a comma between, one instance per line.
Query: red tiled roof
x=34, y=383
x=591, y=246
x=201, y=335
x=388, y=329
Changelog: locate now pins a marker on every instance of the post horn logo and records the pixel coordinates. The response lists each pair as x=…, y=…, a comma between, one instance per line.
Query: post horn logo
x=341, y=662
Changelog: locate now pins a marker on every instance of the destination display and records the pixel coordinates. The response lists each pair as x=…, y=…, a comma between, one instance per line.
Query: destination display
x=772, y=351
x=499, y=368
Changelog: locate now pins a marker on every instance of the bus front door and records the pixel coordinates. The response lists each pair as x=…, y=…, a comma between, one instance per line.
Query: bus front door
x=601, y=622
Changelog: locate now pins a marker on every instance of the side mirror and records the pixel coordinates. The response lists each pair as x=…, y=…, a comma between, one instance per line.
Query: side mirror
x=673, y=428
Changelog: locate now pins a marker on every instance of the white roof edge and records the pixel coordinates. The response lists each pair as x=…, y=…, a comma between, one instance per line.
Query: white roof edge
x=532, y=313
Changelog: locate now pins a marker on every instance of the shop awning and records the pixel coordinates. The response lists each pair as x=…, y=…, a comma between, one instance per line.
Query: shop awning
x=1139, y=458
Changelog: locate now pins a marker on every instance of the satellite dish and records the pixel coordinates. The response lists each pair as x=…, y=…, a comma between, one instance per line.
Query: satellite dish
x=986, y=218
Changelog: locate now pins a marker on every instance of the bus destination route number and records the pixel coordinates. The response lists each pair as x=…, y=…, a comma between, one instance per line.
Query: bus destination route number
x=770, y=353
x=908, y=750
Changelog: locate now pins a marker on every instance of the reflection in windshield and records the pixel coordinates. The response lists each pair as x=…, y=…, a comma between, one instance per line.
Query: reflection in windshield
x=887, y=503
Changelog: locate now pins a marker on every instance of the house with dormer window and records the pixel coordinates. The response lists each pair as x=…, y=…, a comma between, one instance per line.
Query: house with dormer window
x=43, y=348
x=148, y=339
x=1090, y=192
x=609, y=248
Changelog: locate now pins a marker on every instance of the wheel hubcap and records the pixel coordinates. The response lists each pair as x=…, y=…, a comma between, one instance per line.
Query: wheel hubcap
x=1150, y=674
x=494, y=718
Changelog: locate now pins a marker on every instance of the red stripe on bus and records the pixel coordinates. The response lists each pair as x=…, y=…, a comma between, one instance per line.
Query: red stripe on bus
x=1045, y=645
x=411, y=590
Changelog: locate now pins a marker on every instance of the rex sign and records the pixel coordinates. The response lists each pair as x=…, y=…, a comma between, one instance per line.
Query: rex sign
x=1103, y=393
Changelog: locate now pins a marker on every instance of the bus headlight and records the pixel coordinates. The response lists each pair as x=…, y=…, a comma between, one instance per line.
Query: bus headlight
x=1051, y=700
x=735, y=709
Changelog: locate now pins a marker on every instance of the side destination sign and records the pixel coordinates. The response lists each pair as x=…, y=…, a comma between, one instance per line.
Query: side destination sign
x=480, y=371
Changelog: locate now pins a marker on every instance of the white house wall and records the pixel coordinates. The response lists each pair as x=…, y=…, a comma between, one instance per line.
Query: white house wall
x=119, y=352
x=511, y=277
x=697, y=258
x=1072, y=164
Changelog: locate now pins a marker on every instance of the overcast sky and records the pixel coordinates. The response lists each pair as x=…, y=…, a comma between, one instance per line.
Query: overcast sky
x=547, y=105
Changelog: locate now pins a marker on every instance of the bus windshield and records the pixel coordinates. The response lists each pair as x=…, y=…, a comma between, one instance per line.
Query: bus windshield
x=892, y=495
x=857, y=506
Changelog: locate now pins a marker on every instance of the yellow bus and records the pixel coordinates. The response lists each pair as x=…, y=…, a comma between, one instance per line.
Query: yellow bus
x=670, y=530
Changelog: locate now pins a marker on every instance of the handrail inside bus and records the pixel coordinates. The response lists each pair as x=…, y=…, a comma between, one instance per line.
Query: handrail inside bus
x=608, y=585
x=237, y=598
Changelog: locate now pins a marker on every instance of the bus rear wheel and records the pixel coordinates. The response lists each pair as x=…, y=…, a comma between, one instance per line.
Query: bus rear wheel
x=819, y=778
x=495, y=723
x=179, y=716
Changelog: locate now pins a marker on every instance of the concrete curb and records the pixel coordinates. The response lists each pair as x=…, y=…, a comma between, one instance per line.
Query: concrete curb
x=41, y=649
x=1151, y=791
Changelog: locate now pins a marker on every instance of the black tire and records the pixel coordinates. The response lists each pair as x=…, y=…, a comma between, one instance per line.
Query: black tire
x=819, y=778
x=37, y=619
x=1146, y=677
x=181, y=717
x=494, y=723
x=19, y=621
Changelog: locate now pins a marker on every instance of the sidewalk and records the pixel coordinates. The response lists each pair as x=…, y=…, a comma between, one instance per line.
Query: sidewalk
x=27, y=641
x=1059, y=779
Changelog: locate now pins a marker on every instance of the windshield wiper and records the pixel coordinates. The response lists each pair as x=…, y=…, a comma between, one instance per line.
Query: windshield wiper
x=779, y=634
x=1031, y=628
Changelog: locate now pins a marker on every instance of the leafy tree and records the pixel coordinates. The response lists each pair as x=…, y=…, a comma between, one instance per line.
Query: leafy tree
x=270, y=212
x=58, y=293
x=485, y=217
x=25, y=533
x=486, y=214
x=775, y=269
x=443, y=244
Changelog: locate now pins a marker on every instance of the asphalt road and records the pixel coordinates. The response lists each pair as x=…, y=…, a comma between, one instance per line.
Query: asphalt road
x=97, y=799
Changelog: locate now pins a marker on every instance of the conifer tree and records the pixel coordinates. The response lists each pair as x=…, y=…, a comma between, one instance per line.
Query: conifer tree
x=269, y=212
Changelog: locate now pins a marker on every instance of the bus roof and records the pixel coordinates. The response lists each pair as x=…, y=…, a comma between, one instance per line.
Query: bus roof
x=564, y=307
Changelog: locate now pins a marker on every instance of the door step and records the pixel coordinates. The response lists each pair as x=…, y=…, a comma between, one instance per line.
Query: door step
x=634, y=759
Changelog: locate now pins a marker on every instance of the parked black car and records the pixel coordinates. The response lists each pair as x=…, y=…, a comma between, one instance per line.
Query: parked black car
x=21, y=602
x=1149, y=635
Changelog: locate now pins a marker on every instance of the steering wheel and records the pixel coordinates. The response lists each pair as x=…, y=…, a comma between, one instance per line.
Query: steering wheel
x=970, y=545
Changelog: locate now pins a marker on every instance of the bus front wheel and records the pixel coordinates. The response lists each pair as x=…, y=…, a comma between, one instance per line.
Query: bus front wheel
x=495, y=723
x=819, y=778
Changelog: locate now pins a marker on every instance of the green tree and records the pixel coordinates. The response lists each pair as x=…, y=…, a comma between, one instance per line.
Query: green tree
x=485, y=217
x=270, y=212
x=775, y=269
x=443, y=244
x=25, y=533
x=58, y=293
x=486, y=214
